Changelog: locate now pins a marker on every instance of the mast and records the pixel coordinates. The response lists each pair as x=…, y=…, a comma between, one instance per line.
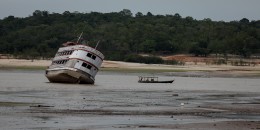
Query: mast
x=97, y=44
x=79, y=37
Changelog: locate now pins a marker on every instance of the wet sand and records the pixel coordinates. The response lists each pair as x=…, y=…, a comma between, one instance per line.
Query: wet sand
x=117, y=101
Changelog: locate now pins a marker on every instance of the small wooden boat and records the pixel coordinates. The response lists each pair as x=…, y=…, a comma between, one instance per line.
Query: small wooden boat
x=143, y=79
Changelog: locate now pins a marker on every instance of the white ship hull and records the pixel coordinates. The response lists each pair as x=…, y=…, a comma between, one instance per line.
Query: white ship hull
x=68, y=75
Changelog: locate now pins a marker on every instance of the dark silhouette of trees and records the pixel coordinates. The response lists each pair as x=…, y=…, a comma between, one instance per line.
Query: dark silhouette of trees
x=123, y=35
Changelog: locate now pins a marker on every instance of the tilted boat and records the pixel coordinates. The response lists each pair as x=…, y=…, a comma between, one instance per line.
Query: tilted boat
x=75, y=63
x=143, y=79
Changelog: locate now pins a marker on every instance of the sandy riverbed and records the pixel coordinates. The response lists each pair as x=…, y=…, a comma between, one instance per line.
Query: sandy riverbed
x=118, y=101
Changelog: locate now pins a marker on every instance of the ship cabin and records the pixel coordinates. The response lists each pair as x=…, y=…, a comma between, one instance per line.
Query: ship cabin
x=80, y=57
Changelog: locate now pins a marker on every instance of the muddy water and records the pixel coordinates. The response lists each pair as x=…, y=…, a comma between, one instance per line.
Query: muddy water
x=117, y=101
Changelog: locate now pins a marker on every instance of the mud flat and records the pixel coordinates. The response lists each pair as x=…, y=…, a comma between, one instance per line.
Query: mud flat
x=117, y=101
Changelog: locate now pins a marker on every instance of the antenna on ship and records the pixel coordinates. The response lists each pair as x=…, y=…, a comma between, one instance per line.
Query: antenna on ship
x=97, y=44
x=79, y=37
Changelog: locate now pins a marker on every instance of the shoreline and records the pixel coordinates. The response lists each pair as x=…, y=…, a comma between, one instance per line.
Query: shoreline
x=199, y=70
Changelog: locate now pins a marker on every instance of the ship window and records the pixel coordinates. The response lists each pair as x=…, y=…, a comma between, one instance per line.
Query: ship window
x=93, y=57
x=64, y=53
x=89, y=55
x=89, y=66
x=60, y=62
x=84, y=64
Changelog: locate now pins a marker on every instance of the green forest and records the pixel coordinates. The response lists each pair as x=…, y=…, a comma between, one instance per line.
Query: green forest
x=123, y=35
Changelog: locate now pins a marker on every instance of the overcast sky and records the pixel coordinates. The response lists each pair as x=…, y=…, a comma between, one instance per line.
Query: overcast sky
x=217, y=10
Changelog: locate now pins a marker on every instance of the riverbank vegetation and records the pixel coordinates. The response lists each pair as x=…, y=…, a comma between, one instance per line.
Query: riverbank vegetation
x=123, y=35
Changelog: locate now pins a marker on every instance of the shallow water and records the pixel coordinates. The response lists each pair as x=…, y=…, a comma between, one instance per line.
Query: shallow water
x=33, y=80
x=117, y=101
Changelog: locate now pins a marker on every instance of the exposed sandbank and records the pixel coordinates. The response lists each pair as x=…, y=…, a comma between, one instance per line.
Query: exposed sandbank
x=214, y=70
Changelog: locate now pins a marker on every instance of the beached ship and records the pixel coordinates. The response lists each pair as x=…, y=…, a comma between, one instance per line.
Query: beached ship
x=75, y=63
x=143, y=79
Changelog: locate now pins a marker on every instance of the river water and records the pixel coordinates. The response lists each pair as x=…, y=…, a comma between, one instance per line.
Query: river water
x=34, y=80
x=117, y=100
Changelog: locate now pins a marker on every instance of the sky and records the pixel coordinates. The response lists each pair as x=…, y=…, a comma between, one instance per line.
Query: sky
x=217, y=10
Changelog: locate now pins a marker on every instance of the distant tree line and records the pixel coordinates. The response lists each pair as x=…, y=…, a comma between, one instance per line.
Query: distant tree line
x=122, y=35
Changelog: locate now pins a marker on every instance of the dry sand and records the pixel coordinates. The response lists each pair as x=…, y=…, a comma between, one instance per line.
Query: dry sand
x=127, y=65
x=181, y=70
x=20, y=62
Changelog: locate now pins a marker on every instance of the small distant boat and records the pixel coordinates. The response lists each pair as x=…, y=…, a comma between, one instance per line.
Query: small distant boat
x=144, y=79
x=75, y=63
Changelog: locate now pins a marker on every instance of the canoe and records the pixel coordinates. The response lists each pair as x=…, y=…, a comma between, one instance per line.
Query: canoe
x=143, y=79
